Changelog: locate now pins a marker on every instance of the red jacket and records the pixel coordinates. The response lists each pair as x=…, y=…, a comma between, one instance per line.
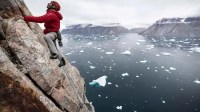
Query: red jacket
x=51, y=20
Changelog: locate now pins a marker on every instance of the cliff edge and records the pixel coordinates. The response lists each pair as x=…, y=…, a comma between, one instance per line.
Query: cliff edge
x=29, y=80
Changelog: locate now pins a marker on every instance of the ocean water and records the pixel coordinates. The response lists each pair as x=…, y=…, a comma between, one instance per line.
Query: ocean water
x=142, y=75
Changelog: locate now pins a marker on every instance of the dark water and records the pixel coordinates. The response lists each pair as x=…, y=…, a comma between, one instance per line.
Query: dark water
x=161, y=79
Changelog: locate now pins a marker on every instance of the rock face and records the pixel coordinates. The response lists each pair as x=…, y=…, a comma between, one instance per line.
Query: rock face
x=90, y=29
x=29, y=80
x=175, y=27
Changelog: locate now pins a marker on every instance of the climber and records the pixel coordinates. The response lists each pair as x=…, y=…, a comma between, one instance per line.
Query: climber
x=51, y=22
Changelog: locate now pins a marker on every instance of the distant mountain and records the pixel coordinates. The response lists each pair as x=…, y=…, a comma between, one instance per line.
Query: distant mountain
x=137, y=30
x=174, y=27
x=90, y=29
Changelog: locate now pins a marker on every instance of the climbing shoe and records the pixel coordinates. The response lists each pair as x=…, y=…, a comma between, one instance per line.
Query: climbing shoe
x=62, y=62
x=54, y=56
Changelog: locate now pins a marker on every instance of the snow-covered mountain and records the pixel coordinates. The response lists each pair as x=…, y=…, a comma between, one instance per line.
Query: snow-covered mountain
x=91, y=29
x=174, y=27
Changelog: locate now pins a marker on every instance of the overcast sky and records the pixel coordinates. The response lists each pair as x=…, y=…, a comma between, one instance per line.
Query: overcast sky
x=130, y=13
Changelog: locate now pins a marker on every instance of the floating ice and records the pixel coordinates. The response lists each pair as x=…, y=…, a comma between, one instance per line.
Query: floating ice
x=138, y=43
x=109, y=52
x=144, y=61
x=141, y=40
x=163, y=101
x=148, y=68
x=197, y=81
x=137, y=76
x=119, y=107
x=166, y=53
x=125, y=74
x=99, y=95
x=172, y=68
x=150, y=47
x=99, y=82
x=89, y=43
x=127, y=52
x=116, y=85
x=92, y=67
x=109, y=83
x=81, y=51
x=195, y=49
x=68, y=54
x=157, y=55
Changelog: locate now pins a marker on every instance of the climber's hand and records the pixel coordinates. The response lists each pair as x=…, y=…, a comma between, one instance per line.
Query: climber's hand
x=60, y=43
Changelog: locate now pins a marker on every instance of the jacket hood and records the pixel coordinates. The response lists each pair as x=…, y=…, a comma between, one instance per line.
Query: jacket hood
x=57, y=13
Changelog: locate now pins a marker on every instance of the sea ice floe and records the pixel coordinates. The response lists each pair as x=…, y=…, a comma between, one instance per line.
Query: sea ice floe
x=127, y=52
x=141, y=40
x=138, y=43
x=101, y=81
x=197, y=81
x=172, y=68
x=68, y=54
x=157, y=55
x=92, y=67
x=109, y=52
x=149, y=47
x=137, y=76
x=163, y=101
x=166, y=53
x=195, y=49
x=89, y=43
x=116, y=85
x=109, y=83
x=144, y=61
x=119, y=107
x=81, y=51
x=125, y=74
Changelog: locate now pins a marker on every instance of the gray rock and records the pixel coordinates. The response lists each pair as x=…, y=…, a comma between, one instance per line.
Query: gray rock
x=24, y=54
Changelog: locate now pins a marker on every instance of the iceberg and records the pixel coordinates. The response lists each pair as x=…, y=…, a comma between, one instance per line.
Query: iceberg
x=172, y=68
x=119, y=107
x=92, y=67
x=196, y=49
x=166, y=53
x=197, y=81
x=109, y=52
x=127, y=52
x=144, y=61
x=99, y=82
x=125, y=74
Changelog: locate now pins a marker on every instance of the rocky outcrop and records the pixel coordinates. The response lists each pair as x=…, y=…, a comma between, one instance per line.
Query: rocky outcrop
x=175, y=27
x=29, y=80
x=90, y=29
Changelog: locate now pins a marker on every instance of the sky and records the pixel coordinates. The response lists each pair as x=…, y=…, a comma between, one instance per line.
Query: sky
x=129, y=13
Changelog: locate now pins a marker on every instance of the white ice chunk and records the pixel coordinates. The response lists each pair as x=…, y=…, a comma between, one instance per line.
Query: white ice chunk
x=195, y=49
x=68, y=54
x=119, y=107
x=92, y=67
x=172, y=68
x=157, y=55
x=163, y=101
x=127, y=52
x=138, y=43
x=125, y=74
x=81, y=51
x=116, y=85
x=73, y=62
x=166, y=53
x=197, y=81
x=137, y=76
x=109, y=52
x=89, y=43
x=144, y=61
x=150, y=47
x=109, y=83
x=141, y=40
x=99, y=82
